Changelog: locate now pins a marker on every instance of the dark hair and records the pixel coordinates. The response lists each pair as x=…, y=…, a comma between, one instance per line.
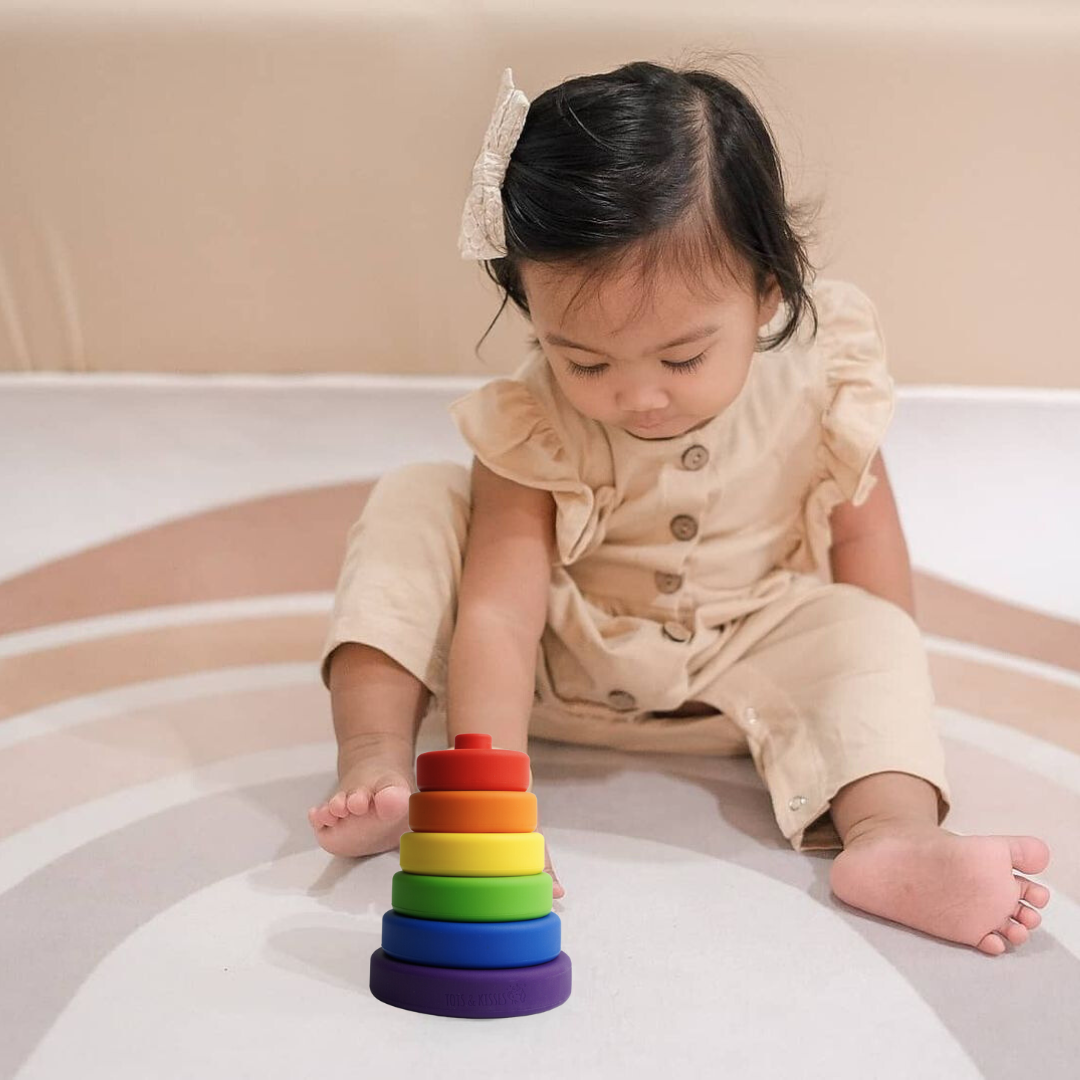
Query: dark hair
x=653, y=166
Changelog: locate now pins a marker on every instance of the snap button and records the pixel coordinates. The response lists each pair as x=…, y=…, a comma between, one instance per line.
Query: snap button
x=677, y=632
x=751, y=715
x=799, y=800
x=683, y=527
x=668, y=583
x=621, y=699
x=695, y=457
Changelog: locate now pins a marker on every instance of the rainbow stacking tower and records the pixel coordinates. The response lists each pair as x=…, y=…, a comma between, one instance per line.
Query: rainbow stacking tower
x=470, y=931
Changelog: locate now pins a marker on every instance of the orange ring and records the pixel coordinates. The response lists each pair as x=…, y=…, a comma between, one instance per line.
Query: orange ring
x=472, y=811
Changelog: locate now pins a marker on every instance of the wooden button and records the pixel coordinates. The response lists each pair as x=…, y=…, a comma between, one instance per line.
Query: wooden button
x=677, y=632
x=695, y=457
x=668, y=583
x=621, y=699
x=683, y=527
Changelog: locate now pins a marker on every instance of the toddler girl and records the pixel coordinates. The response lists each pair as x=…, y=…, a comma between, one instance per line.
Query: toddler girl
x=677, y=534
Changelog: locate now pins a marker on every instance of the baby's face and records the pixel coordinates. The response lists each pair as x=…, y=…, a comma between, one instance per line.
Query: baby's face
x=628, y=369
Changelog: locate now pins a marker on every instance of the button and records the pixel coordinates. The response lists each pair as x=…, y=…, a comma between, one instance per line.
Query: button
x=695, y=458
x=799, y=800
x=668, y=583
x=751, y=715
x=683, y=527
x=622, y=700
x=677, y=632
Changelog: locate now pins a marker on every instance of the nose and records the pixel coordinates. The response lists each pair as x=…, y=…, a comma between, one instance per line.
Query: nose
x=640, y=396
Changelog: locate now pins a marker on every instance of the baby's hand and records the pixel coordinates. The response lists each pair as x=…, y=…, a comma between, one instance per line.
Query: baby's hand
x=557, y=890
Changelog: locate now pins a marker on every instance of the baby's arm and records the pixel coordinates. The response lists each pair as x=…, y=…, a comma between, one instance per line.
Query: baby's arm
x=868, y=546
x=502, y=609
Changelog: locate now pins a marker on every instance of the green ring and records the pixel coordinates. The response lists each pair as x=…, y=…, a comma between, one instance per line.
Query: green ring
x=472, y=899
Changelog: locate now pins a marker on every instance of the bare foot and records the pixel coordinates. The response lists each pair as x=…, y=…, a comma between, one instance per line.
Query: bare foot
x=961, y=888
x=369, y=809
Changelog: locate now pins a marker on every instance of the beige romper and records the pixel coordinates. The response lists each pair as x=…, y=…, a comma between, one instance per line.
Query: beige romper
x=694, y=568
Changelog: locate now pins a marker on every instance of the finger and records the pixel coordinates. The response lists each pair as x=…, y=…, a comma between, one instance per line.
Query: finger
x=557, y=886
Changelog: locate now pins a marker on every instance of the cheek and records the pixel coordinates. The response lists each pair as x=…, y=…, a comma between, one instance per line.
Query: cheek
x=577, y=391
x=588, y=396
x=737, y=380
x=577, y=388
x=725, y=385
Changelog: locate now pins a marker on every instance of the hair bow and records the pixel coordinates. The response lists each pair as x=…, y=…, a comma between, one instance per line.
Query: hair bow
x=482, y=232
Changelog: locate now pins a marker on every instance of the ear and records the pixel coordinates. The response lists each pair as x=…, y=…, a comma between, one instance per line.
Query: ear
x=770, y=302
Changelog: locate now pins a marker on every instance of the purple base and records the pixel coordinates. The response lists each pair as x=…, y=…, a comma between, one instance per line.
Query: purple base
x=478, y=993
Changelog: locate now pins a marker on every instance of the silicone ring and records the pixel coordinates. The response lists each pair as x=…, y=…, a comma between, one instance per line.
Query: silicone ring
x=472, y=811
x=477, y=993
x=472, y=765
x=472, y=945
x=472, y=854
x=472, y=899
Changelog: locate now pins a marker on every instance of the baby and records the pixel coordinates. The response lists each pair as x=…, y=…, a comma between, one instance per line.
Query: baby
x=677, y=534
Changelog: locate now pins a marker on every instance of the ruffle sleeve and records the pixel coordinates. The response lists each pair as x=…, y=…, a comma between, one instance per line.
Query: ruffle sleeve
x=857, y=402
x=512, y=434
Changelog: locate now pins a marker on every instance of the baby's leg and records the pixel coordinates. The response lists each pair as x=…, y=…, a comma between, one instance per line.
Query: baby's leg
x=836, y=702
x=900, y=864
x=377, y=708
x=386, y=649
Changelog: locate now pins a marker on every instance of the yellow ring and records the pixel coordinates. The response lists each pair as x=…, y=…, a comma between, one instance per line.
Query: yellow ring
x=472, y=854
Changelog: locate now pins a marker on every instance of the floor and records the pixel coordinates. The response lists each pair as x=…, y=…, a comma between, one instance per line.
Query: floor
x=167, y=561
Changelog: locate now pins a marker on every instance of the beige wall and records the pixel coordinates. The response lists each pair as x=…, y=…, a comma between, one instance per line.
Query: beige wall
x=281, y=190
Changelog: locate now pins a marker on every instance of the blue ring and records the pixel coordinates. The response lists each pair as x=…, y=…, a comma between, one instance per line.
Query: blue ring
x=440, y=943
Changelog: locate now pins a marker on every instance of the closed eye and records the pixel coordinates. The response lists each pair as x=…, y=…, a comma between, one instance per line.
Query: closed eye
x=589, y=370
x=685, y=365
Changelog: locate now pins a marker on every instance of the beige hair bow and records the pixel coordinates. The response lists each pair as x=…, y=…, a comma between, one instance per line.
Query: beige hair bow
x=482, y=232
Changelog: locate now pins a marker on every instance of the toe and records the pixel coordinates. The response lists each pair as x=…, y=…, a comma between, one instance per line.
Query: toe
x=1029, y=854
x=392, y=801
x=1013, y=932
x=325, y=817
x=992, y=945
x=337, y=806
x=1028, y=916
x=356, y=801
x=1032, y=892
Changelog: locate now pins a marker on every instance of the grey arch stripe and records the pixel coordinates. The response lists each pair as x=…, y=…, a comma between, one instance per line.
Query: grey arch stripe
x=994, y=1007
x=93, y=898
x=90, y=900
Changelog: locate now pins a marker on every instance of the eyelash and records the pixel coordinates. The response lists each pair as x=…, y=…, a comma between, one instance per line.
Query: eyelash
x=597, y=369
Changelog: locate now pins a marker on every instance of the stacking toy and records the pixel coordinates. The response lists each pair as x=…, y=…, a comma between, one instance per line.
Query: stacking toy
x=470, y=931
